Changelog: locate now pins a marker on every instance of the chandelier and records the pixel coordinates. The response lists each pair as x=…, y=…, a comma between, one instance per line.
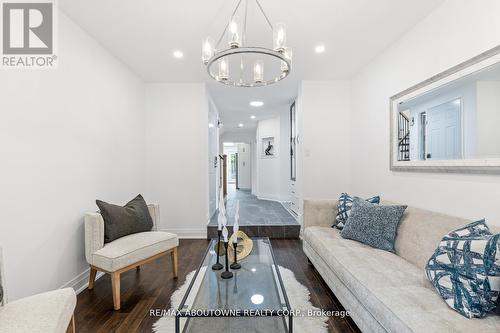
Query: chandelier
x=237, y=64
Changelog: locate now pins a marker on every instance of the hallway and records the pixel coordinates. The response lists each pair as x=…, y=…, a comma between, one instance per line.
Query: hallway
x=257, y=217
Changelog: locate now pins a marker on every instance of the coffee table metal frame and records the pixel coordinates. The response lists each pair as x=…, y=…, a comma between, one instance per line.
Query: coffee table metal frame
x=182, y=313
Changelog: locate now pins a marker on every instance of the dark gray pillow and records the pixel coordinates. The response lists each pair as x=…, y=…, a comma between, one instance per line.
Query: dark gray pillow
x=373, y=224
x=122, y=221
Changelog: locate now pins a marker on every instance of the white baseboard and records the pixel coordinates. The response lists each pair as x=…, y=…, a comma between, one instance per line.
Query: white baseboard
x=270, y=197
x=183, y=233
x=81, y=281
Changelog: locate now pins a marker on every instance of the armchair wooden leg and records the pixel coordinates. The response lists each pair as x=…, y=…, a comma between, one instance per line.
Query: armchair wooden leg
x=138, y=268
x=173, y=255
x=115, y=285
x=73, y=326
x=92, y=274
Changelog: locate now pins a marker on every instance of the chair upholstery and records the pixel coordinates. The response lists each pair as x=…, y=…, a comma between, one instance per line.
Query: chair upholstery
x=126, y=250
x=131, y=249
x=48, y=312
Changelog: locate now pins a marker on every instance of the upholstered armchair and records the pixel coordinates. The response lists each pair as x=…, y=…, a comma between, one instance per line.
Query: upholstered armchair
x=49, y=312
x=125, y=253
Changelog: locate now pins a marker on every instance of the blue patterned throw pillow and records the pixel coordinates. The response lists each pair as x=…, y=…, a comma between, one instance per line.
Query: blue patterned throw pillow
x=465, y=270
x=344, y=209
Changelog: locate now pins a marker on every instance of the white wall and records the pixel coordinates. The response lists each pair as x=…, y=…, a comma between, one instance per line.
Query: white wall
x=238, y=136
x=324, y=139
x=268, y=167
x=68, y=136
x=176, y=142
x=273, y=173
x=284, y=158
x=213, y=155
x=488, y=119
x=244, y=166
x=454, y=32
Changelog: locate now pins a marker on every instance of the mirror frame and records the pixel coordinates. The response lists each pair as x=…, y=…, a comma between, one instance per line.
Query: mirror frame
x=479, y=165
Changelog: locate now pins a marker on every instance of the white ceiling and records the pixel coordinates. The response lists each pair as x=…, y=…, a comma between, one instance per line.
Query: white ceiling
x=143, y=34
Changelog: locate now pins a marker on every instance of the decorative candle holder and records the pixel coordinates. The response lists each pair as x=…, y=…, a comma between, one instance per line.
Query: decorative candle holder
x=226, y=274
x=235, y=264
x=217, y=266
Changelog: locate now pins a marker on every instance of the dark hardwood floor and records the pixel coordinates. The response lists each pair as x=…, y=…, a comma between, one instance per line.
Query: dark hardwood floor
x=152, y=286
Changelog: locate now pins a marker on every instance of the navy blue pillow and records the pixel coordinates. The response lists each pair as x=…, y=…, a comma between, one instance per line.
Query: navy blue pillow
x=344, y=209
x=373, y=224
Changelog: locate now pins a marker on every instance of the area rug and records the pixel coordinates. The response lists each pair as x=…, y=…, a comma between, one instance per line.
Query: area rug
x=298, y=296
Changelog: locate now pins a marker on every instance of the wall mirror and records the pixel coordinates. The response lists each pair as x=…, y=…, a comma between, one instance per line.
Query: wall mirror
x=450, y=122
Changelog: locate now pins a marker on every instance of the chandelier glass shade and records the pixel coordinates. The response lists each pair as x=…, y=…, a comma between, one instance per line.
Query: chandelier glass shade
x=237, y=64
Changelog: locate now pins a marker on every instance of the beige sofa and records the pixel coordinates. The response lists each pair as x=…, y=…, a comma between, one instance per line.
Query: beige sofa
x=387, y=292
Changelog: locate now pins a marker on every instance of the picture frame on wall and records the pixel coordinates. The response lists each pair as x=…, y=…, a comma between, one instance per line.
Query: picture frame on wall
x=268, y=147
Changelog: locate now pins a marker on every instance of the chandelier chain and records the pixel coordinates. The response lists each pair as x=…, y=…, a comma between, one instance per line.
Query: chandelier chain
x=244, y=37
x=264, y=13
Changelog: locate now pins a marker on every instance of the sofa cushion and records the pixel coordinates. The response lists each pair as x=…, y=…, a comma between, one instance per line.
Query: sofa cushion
x=372, y=224
x=121, y=221
x=130, y=249
x=420, y=232
x=49, y=312
x=463, y=270
x=344, y=209
x=392, y=289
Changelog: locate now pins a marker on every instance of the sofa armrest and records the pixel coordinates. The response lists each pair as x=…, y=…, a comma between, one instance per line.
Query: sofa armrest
x=319, y=213
x=154, y=211
x=94, y=234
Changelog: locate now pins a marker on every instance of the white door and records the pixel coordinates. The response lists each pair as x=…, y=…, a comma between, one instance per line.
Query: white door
x=244, y=166
x=444, y=131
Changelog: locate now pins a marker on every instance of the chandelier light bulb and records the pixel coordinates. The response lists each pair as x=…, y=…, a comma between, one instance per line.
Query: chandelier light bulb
x=223, y=69
x=207, y=50
x=287, y=53
x=258, y=71
x=279, y=37
x=234, y=33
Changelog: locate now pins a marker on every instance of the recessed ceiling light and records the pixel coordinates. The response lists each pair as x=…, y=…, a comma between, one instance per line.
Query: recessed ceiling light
x=240, y=125
x=256, y=104
x=252, y=117
x=319, y=49
x=178, y=54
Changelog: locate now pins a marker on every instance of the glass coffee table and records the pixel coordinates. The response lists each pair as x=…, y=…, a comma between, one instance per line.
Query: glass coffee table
x=253, y=300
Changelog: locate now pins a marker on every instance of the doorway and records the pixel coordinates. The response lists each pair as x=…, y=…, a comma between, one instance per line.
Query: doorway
x=238, y=172
x=441, y=133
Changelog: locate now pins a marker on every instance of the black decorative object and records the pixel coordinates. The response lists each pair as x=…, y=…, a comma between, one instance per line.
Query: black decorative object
x=226, y=274
x=217, y=266
x=269, y=148
x=235, y=264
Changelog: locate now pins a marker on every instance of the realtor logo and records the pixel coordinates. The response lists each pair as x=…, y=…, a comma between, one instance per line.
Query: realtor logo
x=28, y=34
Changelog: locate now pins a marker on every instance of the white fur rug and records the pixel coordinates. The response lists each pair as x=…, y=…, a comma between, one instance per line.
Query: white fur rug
x=298, y=296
